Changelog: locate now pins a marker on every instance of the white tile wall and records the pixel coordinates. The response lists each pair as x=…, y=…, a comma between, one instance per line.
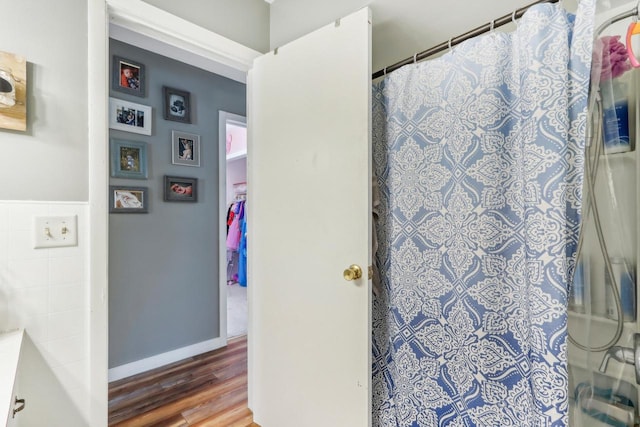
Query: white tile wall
x=45, y=291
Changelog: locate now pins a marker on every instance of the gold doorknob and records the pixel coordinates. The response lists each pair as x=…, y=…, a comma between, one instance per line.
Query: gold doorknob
x=354, y=272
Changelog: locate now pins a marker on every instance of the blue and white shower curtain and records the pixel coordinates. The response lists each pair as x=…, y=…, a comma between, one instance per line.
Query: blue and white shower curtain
x=479, y=156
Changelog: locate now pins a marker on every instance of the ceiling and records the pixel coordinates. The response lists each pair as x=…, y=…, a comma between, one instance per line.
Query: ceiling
x=398, y=33
x=400, y=27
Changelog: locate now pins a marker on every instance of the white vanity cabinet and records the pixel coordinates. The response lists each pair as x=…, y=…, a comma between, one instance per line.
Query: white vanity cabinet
x=11, y=403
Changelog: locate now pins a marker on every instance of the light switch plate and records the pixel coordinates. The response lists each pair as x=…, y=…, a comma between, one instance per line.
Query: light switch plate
x=55, y=231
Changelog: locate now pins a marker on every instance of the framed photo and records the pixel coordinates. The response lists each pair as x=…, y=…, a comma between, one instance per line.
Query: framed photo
x=180, y=189
x=128, y=159
x=124, y=199
x=185, y=149
x=129, y=116
x=177, y=105
x=128, y=76
x=13, y=91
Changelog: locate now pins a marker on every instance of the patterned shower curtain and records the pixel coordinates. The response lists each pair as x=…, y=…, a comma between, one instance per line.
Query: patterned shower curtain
x=479, y=159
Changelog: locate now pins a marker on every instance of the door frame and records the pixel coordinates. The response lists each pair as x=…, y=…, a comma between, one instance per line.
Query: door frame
x=224, y=117
x=204, y=47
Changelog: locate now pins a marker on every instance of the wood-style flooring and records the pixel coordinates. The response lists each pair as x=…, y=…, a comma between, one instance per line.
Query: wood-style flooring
x=205, y=390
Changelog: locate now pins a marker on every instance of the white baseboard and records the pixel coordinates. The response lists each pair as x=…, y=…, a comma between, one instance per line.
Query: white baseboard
x=162, y=359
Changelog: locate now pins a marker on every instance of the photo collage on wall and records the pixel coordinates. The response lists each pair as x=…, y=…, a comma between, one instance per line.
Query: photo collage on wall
x=129, y=157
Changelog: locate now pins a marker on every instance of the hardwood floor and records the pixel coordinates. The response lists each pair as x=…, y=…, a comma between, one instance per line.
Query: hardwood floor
x=205, y=390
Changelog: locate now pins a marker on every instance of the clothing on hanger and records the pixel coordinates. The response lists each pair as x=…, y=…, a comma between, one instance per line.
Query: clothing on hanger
x=242, y=254
x=233, y=236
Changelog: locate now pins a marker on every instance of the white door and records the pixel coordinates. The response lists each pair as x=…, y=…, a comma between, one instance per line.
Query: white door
x=309, y=169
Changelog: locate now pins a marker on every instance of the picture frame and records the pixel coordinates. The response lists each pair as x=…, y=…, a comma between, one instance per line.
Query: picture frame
x=185, y=149
x=128, y=76
x=180, y=189
x=128, y=159
x=13, y=91
x=177, y=105
x=127, y=199
x=129, y=116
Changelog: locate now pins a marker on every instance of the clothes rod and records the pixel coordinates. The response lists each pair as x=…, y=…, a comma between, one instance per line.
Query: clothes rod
x=459, y=39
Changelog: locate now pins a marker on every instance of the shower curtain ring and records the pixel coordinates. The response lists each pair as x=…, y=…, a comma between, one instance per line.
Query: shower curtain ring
x=415, y=57
x=493, y=23
x=384, y=71
x=449, y=45
x=513, y=17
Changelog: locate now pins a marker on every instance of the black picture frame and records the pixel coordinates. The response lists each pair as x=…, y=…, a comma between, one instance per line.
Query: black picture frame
x=177, y=105
x=126, y=83
x=180, y=189
x=127, y=199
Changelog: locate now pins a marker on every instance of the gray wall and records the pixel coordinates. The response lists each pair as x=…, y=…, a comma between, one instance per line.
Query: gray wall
x=163, y=276
x=48, y=161
x=243, y=21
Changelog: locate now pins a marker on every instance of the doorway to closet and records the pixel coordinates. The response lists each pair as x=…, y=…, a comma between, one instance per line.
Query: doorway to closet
x=232, y=140
x=186, y=274
x=150, y=28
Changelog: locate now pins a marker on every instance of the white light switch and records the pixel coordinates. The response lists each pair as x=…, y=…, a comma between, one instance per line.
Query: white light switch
x=55, y=231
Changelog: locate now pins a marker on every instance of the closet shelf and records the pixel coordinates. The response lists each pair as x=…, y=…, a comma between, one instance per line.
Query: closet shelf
x=237, y=155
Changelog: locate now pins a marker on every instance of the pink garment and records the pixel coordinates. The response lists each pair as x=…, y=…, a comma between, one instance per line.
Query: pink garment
x=233, y=235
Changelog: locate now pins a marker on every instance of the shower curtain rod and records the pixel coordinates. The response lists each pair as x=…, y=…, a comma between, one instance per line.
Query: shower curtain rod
x=459, y=39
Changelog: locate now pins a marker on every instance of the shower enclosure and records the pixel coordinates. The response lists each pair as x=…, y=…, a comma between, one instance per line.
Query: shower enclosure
x=604, y=339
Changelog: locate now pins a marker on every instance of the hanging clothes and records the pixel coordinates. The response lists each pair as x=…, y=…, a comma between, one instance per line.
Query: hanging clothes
x=230, y=215
x=242, y=254
x=233, y=235
x=232, y=266
x=236, y=245
x=480, y=160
